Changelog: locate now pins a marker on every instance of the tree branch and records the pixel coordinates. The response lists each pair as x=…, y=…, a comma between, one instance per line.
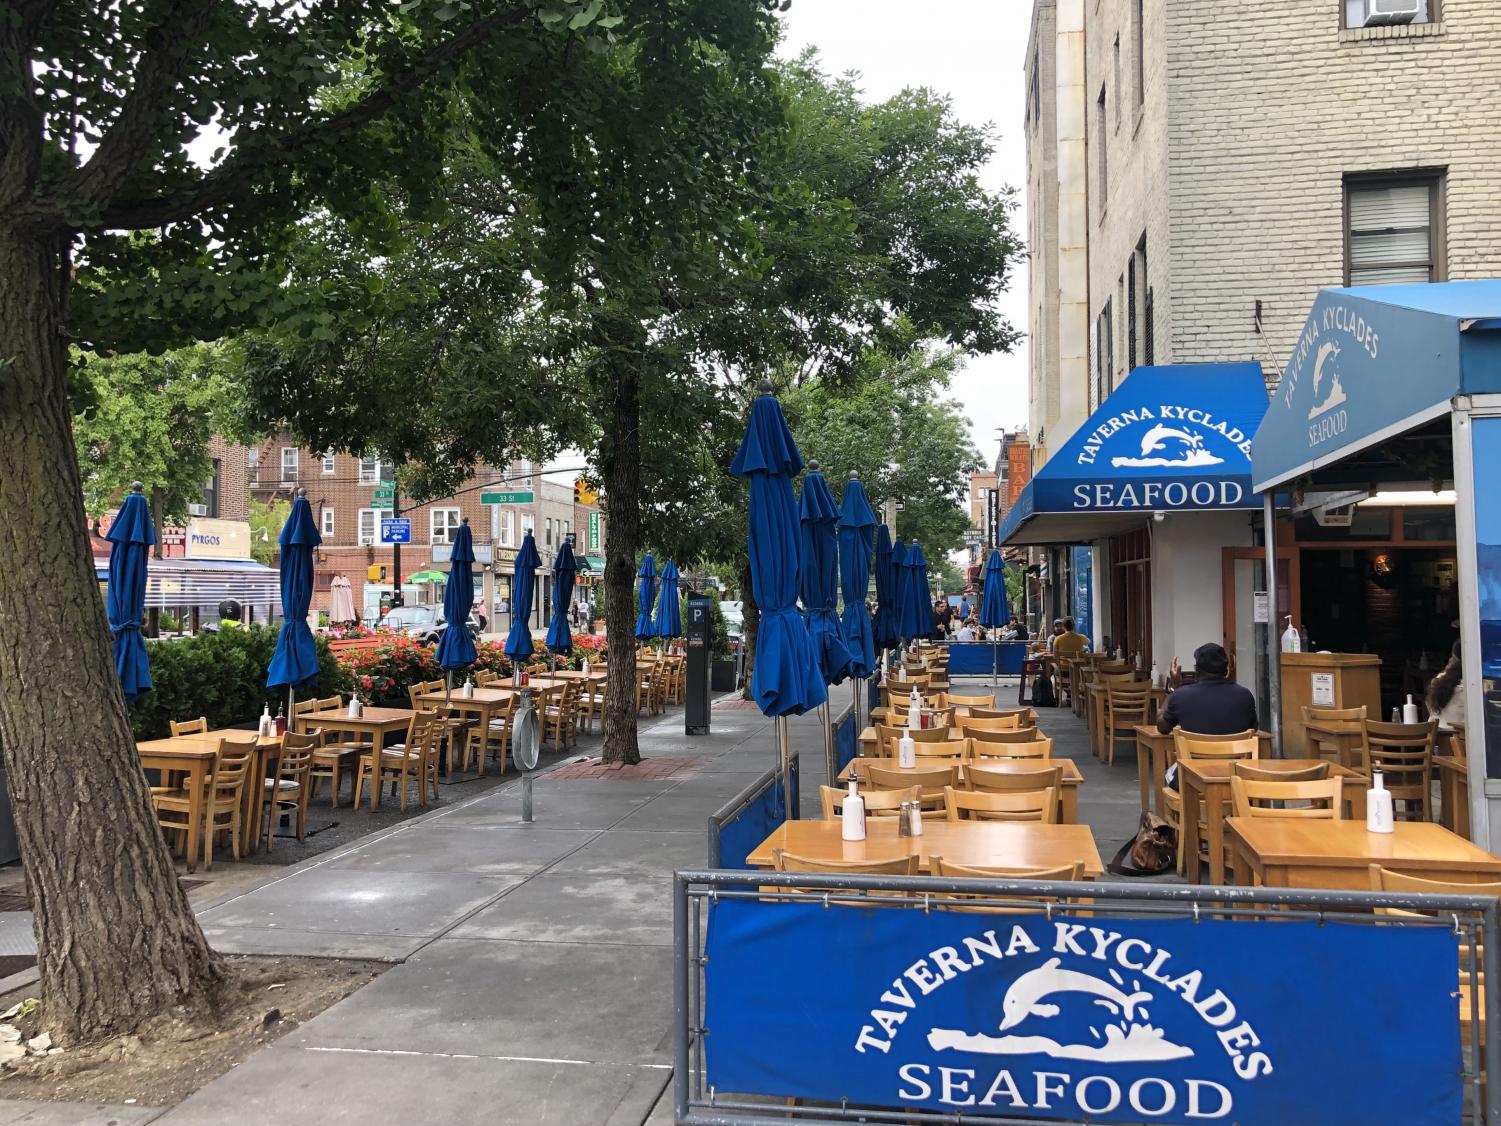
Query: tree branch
x=237, y=175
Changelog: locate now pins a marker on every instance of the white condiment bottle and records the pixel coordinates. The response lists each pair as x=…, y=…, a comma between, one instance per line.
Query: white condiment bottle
x=1410, y=711
x=1156, y=676
x=356, y=708
x=468, y=688
x=914, y=707
x=906, y=750
x=901, y=672
x=267, y=724
x=1378, y=806
x=852, y=816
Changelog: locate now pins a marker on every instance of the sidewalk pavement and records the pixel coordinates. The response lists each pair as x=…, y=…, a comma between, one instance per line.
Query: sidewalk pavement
x=534, y=975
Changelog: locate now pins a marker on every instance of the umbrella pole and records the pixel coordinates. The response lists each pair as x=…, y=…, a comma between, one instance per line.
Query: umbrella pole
x=828, y=742
x=784, y=764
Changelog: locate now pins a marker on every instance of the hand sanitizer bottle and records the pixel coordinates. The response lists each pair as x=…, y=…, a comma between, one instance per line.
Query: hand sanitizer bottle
x=852, y=816
x=1410, y=711
x=1378, y=806
x=1292, y=642
x=906, y=749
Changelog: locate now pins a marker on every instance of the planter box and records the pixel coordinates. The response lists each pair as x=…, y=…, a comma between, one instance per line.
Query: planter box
x=722, y=674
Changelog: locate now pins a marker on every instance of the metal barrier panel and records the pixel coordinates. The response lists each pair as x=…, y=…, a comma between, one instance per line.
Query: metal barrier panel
x=846, y=739
x=984, y=658
x=737, y=827
x=920, y=1000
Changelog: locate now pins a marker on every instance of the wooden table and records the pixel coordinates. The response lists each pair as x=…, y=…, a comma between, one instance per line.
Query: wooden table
x=375, y=722
x=193, y=756
x=980, y=844
x=1280, y=852
x=1094, y=707
x=1154, y=751
x=1068, y=796
x=868, y=739
x=1342, y=740
x=1205, y=787
x=1454, y=793
x=482, y=706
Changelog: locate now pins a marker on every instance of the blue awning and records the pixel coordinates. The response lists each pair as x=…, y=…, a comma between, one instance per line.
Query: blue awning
x=1175, y=438
x=1373, y=362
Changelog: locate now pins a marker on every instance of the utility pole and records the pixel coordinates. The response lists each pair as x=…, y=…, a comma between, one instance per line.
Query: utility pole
x=396, y=546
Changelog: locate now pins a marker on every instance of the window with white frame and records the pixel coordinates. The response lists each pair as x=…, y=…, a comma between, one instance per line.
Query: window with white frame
x=1385, y=13
x=507, y=533
x=328, y=462
x=253, y=465
x=370, y=468
x=369, y=526
x=327, y=522
x=528, y=525
x=443, y=523
x=288, y=464
x=1395, y=229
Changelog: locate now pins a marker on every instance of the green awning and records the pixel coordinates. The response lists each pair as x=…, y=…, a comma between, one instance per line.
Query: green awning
x=592, y=563
x=428, y=576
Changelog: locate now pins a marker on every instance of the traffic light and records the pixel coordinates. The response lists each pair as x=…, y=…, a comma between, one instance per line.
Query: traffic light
x=376, y=572
x=578, y=491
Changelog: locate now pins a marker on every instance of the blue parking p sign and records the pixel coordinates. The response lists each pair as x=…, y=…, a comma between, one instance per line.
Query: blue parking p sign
x=395, y=530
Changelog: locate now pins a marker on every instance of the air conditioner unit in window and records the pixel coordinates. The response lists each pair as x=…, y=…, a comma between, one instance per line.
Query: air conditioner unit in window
x=197, y=510
x=1380, y=13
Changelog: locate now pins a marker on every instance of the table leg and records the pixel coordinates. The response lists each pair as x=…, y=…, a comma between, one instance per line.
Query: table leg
x=196, y=782
x=1188, y=835
x=1214, y=817
x=1244, y=877
x=1069, y=805
x=1161, y=752
x=1143, y=769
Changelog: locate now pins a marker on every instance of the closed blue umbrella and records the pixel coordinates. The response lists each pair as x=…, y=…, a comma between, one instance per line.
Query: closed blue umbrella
x=130, y=537
x=917, y=608
x=295, y=661
x=993, y=607
x=786, y=679
x=856, y=528
x=900, y=582
x=669, y=619
x=564, y=568
x=518, y=644
x=886, y=633
x=455, y=646
x=818, y=575
x=646, y=594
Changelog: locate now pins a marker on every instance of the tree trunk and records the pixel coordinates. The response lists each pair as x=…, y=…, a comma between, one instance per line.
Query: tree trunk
x=117, y=942
x=750, y=625
x=621, y=462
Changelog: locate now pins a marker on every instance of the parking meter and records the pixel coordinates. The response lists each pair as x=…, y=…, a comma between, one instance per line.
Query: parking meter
x=700, y=631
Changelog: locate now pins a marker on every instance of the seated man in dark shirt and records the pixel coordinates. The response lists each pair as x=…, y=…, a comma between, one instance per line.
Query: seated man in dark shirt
x=1212, y=705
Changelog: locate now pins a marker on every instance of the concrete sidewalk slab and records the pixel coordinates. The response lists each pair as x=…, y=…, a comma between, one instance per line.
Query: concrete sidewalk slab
x=474, y=850
x=630, y=853
x=15, y=1112
x=576, y=908
x=552, y=808
x=301, y=942
x=604, y=1004
x=335, y=1088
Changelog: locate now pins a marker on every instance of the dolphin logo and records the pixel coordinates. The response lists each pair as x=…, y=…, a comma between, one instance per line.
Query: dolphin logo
x=1024, y=998
x=1156, y=438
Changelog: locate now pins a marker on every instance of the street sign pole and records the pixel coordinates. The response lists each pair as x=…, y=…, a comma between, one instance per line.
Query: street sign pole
x=395, y=547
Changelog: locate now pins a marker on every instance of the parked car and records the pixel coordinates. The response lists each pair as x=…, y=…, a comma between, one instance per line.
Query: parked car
x=425, y=623
x=734, y=623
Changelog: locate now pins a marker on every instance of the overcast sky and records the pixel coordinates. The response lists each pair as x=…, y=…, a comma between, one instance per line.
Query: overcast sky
x=972, y=51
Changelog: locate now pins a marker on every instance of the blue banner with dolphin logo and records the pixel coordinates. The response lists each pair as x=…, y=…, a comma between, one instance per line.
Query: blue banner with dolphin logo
x=1079, y=1019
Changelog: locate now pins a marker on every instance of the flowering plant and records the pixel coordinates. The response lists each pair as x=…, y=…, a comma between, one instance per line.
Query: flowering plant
x=381, y=676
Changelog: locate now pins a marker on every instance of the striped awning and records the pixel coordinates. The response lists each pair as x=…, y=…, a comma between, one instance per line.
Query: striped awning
x=173, y=584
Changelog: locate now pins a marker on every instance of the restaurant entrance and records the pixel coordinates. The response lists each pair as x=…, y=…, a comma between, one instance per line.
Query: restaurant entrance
x=1129, y=558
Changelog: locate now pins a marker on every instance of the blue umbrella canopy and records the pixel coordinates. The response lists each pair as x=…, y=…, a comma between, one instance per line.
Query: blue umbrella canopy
x=993, y=607
x=786, y=679
x=130, y=538
x=296, y=658
x=518, y=644
x=818, y=575
x=900, y=581
x=564, y=568
x=886, y=632
x=646, y=595
x=917, y=607
x=856, y=530
x=455, y=646
x=669, y=619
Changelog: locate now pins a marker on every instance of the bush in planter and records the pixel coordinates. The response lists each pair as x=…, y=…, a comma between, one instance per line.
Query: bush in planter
x=220, y=676
x=381, y=676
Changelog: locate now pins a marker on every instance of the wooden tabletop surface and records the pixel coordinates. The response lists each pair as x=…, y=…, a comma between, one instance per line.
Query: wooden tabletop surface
x=1212, y=770
x=490, y=694
x=978, y=844
x=341, y=714
x=200, y=742
x=1414, y=845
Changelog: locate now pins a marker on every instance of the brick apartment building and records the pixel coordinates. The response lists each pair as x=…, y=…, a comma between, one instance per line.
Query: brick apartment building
x=345, y=494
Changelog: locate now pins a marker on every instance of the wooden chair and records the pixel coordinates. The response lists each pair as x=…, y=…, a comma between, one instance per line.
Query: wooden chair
x=1027, y=714
x=559, y=719
x=404, y=763
x=897, y=866
x=942, y=717
x=938, y=866
x=487, y=679
x=878, y=803
x=1014, y=805
x=493, y=741
x=1316, y=800
x=221, y=800
x=188, y=726
x=1013, y=778
x=1403, y=752
x=964, y=702
x=982, y=749
x=1004, y=735
x=931, y=782
x=1127, y=706
x=287, y=791
x=889, y=735
x=1345, y=719
x=304, y=707
x=1257, y=774
x=335, y=755
x=999, y=723
x=1188, y=746
x=590, y=707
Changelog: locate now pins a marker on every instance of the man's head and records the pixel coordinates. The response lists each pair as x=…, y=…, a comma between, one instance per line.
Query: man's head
x=1057, y=625
x=1210, y=659
x=1068, y=624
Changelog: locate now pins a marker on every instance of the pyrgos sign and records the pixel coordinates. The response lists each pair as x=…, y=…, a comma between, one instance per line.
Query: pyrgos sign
x=1073, y=1019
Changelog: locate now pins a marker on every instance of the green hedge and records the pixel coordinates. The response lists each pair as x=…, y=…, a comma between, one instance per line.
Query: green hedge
x=221, y=676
